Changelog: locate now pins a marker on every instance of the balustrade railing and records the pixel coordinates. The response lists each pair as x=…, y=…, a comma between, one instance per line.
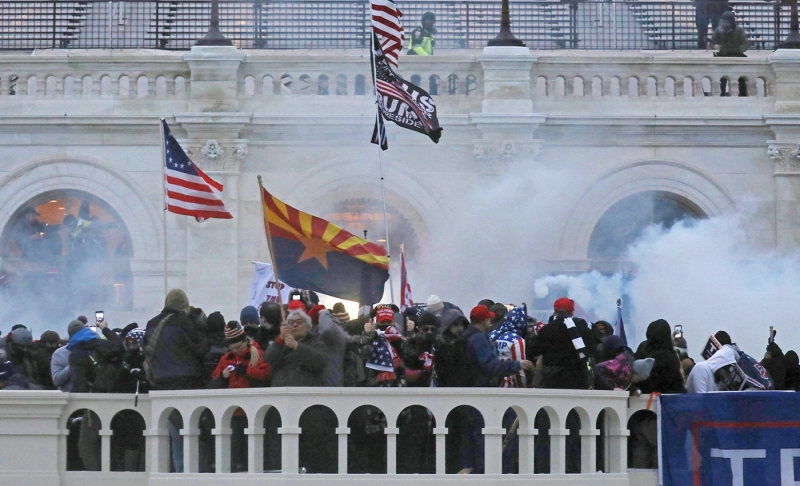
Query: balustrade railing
x=581, y=432
x=341, y=24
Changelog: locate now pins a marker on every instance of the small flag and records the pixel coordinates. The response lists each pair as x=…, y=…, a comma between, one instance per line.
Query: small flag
x=386, y=25
x=407, y=105
x=379, y=132
x=619, y=324
x=381, y=354
x=314, y=254
x=405, y=287
x=188, y=190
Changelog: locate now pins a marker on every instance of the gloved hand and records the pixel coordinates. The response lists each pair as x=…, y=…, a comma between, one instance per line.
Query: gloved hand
x=241, y=369
x=774, y=349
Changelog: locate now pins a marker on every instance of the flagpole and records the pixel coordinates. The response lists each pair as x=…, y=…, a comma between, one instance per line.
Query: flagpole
x=380, y=165
x=271, y=252
x=164, y=192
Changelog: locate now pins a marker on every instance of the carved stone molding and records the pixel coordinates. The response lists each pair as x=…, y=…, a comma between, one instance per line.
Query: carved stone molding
x=785, y=155
x=496, y=157
x=219, y=156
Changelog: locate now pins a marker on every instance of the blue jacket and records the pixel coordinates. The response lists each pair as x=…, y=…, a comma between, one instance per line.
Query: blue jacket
x=484, y=358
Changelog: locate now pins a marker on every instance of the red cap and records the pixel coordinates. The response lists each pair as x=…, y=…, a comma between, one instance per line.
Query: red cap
x=296, y=305
x=564, y=304
x=481, y=313
x=384, y=314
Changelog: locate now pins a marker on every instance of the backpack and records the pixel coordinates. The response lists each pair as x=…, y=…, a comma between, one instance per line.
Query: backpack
x=151, y=350
x=452, y=363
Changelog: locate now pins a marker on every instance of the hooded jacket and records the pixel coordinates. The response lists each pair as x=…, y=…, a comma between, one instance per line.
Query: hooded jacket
x=666, y=376
x=509, y=342
x=701, y=379
x=95, y=364
x=178, y=354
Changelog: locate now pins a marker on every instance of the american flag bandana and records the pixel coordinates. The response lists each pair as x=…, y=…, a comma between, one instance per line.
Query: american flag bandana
x=381, y=358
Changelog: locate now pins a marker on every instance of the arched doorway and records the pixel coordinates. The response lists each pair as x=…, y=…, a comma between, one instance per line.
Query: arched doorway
x=626, y=221
x=64, y=253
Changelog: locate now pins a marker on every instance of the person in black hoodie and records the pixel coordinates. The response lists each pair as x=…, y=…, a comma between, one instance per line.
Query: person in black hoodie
x=666, y=375
x=792, y=371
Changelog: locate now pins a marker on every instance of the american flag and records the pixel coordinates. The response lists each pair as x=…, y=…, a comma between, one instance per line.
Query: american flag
x=386, y=24
x=188, y=190
x=405, y=287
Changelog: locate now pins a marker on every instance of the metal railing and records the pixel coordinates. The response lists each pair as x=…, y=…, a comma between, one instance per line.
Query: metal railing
x=342, y=24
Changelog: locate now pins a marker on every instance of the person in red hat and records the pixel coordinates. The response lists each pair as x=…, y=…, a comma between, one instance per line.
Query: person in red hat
x=565, y=345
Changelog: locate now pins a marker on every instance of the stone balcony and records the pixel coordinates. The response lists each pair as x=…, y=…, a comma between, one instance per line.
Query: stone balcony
x=34, y=434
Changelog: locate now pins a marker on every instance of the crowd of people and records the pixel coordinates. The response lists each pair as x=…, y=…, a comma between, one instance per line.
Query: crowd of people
x=435, y=345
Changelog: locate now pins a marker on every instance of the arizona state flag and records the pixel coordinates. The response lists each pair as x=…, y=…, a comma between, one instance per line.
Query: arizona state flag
x=314, y=254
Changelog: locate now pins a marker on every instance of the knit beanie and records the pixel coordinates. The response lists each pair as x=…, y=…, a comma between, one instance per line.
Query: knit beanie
x=177, y=299
x=234, y=333
x=215, y=323
x=340, y=313
x=249, y=315
x=49, y=337
x=74, y=327
x=434, y=304
x=21, y=335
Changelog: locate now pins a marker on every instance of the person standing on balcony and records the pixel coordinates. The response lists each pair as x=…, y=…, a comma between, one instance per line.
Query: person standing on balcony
x=708, y=11
x=422, y=41
x=730, y=38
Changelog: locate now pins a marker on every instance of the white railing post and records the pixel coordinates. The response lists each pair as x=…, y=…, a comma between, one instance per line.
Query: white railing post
x=493, y=449
x=341, y=434
x=159, y=458
x=391, y=449
x=191, y=449
x=617, y=447
x=290, y=449
x=558, y=449
x=255, y=449
x=526, y=447
x=589, y=450
x=105, y=449
x=441, y=438
x=222, y=445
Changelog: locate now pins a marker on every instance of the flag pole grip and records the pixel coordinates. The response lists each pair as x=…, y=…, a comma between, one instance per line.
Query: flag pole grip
x=271, y=252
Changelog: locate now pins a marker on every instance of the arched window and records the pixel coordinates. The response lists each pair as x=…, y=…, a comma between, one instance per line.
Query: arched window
x=452, y=84
x=361, y=85
x=341, y=84
x=322, y=85
x=73, y=248
x=433, y=85
x=416, y=79
x=472, y=84
x=610, y=239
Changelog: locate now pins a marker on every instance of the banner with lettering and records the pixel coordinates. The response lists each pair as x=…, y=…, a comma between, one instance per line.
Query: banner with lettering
x=264, y=286
x=730, y=439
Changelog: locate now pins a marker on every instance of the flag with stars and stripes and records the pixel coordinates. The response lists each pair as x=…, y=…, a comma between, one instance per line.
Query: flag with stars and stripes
x=405, y=104
x=188, y=190
x=386, y=24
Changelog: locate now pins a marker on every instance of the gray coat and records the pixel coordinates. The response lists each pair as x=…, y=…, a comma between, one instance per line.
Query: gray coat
x=334, y=337
x=59, y=369
x=303, y=366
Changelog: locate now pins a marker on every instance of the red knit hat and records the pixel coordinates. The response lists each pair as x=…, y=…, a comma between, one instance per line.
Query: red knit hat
x=296, y=305
x=564, y=304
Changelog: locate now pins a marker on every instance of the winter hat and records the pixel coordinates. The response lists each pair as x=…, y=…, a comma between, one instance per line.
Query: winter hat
x=215, y=323
x=295, y=305
x=136, y=334
x=613, y=343
x=130, y=327
x=313, y=313
x=487, y=302
x=234, y=333
x=249, y=315
x=74, y=327
x=564, y=304
x=21, y=335
x=428, y=319
x=339, y=312
x=680, y=343
x=83, y=319
x=49, y=337
x=384, y=314
x=642, y=367
x=480, y=313
x=435, y=304
x=177, y=299
x=723, y=338
x=17, y=326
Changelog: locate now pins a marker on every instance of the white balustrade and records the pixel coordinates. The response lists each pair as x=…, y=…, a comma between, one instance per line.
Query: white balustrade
x=34, y=431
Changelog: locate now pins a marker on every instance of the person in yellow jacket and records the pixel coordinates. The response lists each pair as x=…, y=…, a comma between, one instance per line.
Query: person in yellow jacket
x=422, y=41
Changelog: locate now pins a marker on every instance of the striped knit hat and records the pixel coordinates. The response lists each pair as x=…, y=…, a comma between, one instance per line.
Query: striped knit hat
x=234, y=332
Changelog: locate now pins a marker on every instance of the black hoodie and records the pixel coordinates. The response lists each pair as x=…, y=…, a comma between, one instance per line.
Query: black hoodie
x=666, y=376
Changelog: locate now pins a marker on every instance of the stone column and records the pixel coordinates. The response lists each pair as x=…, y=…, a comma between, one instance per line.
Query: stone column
x=526, y=448
x=506, y=120
x=589, y=450
x=617, y=450
x=105, y=449
x=223, y=449
x=290, y=449
x=558, y=450
x=391, y=449
x=191, y=449
x=784, y=153
x=214, y=80
x=441, y=437
x=342, y=433
x=255, y=449
x=493, y=449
